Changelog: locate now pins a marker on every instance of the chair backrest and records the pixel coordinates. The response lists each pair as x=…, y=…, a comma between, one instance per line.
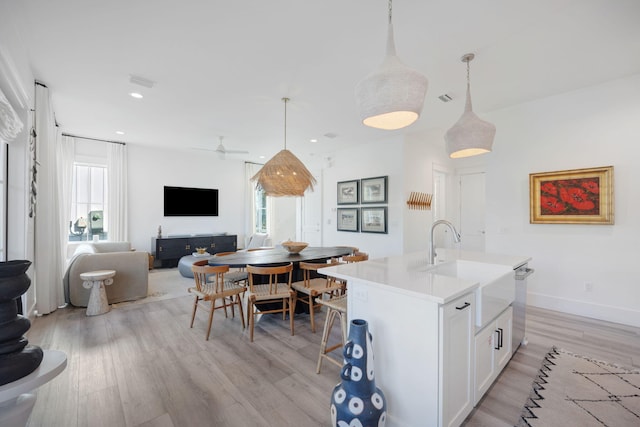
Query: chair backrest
x=270, y=276
x=355, y=258
x=202, y=275
x=308, y=267
x=201, y=262
x=224, y=253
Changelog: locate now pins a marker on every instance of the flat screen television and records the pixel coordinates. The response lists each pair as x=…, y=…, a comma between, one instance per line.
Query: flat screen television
x=186, y=201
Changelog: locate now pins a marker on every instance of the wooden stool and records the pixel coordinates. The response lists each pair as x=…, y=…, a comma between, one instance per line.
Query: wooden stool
x=335, y=307
x=96, y=281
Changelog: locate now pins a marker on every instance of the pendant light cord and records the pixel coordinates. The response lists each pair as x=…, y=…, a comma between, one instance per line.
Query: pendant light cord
x=285, y=100
x=390, y=8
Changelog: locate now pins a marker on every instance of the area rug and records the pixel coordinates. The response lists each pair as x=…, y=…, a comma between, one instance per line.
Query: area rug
x=165, y=283
x=574, y=390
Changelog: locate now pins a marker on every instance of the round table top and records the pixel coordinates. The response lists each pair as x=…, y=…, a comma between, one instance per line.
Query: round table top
x=98, y=275
x=278, y=256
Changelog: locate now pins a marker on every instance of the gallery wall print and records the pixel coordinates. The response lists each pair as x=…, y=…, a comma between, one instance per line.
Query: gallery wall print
x=578, y=196
x=348, y=193
x=348, y=219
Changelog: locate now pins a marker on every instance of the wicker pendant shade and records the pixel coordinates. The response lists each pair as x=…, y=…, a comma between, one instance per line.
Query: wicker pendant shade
x=471, y=135
x=392, y=96
x=284, y=174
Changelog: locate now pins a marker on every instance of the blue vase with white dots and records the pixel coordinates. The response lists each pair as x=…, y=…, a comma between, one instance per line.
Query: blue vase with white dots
x=356, y=401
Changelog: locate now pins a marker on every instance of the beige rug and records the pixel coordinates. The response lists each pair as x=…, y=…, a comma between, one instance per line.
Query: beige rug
x=164, y=283
x=573, y=390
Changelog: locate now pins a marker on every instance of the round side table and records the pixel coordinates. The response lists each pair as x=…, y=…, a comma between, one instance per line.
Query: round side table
x=96, y=281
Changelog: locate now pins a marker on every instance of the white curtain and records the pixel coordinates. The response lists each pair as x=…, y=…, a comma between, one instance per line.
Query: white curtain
x=49, y=259
x=65, y=155
x=10, y=123
x=117, y=192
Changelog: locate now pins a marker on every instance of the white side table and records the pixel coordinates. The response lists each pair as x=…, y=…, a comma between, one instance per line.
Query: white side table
x=96, y=281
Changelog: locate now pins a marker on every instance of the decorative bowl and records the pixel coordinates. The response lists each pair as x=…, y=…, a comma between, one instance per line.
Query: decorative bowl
x=201, y=251
x=294, y=247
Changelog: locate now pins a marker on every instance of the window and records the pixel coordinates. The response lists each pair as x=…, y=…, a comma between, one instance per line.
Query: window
x=261, y=211
x=88, y=202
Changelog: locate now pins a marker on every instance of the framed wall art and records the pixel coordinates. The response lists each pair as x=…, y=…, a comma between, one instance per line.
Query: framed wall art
x=374, y=190
x=374, y=220
x=578, y=196
x=348, y=219
x=348, y=192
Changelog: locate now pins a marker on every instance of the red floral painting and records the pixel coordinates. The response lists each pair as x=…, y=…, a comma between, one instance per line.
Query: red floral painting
x=577, y=196
x=570, y=197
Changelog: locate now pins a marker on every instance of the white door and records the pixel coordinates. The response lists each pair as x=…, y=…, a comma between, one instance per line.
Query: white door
x=310, y=216
x=472, y=211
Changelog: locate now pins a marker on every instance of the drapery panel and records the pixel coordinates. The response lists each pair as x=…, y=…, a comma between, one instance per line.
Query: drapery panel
x=65, y=155
x=117, y=192
x=49, y=259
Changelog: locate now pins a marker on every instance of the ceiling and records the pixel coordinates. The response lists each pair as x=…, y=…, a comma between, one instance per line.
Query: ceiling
x=221, y=68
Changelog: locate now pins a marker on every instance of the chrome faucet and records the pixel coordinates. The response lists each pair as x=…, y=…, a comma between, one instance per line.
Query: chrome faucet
x=432, y=249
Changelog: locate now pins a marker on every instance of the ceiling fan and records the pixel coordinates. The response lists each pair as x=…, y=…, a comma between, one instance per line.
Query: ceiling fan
x=222, y=151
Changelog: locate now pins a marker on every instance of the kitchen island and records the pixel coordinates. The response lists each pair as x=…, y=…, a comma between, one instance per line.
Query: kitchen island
x=427, y=338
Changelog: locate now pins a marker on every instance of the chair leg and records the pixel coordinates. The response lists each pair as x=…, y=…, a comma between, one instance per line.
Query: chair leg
x=312, y=313
x=213, y=308
x=343, y=324
x=328, y=323
x=193, y=315
x=251, y=319
x=239, y=302
x=291, y=304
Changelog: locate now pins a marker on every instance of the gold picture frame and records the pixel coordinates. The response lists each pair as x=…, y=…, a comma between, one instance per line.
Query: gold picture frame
x=578, y=196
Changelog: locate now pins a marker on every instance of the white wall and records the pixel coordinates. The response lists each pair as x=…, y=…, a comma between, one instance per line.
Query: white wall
x=150, y=169
x=597, y=126
x=366, y=161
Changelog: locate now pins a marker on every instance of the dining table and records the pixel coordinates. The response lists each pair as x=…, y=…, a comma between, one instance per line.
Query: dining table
x=279, y=256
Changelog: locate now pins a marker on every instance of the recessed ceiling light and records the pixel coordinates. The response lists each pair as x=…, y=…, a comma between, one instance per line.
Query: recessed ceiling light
x=314, y=140
x=136, y=95
x=119, y=132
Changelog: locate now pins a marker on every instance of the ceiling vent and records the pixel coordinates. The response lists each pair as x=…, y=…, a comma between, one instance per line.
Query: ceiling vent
x=141, y=81
x=330, y=135
x=445, y=98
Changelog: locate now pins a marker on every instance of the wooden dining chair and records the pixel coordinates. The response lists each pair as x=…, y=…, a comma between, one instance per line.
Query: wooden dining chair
x=237, y=275
x=336, y=308
x=359, y=256
x=310, y=288
x=266, y=286
x=211, y=287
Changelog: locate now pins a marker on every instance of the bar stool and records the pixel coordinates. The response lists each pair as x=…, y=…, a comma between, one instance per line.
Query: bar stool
x=335, y=307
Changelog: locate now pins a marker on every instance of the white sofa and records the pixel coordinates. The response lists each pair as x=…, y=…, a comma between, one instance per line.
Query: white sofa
x=131, y=281
x=258, y=240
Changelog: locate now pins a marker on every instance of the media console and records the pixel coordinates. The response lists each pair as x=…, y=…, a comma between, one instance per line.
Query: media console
x=169, y=250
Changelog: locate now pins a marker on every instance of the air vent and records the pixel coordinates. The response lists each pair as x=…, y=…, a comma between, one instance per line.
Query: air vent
x=445, y=98
x=330, y=135
x=141, y=81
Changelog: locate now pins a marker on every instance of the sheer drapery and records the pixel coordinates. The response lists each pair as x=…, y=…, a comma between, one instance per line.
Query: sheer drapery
x=65, y=155
x=117, y=192
x=49, y=259
x=10, y=123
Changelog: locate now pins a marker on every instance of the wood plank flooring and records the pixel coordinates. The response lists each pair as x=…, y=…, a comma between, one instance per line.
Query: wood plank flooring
x=141, y=365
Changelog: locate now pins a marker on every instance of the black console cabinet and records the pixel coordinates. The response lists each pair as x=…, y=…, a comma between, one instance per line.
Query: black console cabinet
x=169, y=250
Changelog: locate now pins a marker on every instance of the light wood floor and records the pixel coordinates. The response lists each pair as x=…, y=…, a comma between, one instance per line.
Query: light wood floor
x=141, y=365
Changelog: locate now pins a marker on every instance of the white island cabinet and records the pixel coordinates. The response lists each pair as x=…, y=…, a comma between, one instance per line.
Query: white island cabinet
x=423, y=326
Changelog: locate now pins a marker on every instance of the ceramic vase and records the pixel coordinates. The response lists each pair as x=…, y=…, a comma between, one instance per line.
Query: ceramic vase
x=17, y=358
x=356, y=401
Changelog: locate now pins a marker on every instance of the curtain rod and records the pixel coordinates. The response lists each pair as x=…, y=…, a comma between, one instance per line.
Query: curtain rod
x=93, y=139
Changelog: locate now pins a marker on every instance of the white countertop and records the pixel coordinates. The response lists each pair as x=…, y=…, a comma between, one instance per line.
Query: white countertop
x=409, y=274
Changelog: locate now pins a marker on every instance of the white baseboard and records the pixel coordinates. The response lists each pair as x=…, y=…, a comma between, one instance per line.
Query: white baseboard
x=586, y=309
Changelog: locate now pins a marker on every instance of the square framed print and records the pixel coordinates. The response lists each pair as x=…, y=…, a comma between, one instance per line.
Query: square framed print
x=374, y=190
x=348, y=219
x=348, y=192
x=577, y=196
x=374, y=220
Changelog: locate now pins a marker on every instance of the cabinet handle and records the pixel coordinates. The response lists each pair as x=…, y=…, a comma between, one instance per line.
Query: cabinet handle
x=499, y=331
x=463, y=306
x=213, y=245
x=160, y=248
x=187, y=247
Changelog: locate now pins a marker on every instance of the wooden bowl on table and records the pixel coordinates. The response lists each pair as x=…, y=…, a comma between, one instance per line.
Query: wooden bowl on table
x=294, y=247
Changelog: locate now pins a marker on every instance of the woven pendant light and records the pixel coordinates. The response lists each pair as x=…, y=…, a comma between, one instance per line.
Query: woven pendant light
x=392, y=96
x=470, y=135
x=284, y=174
